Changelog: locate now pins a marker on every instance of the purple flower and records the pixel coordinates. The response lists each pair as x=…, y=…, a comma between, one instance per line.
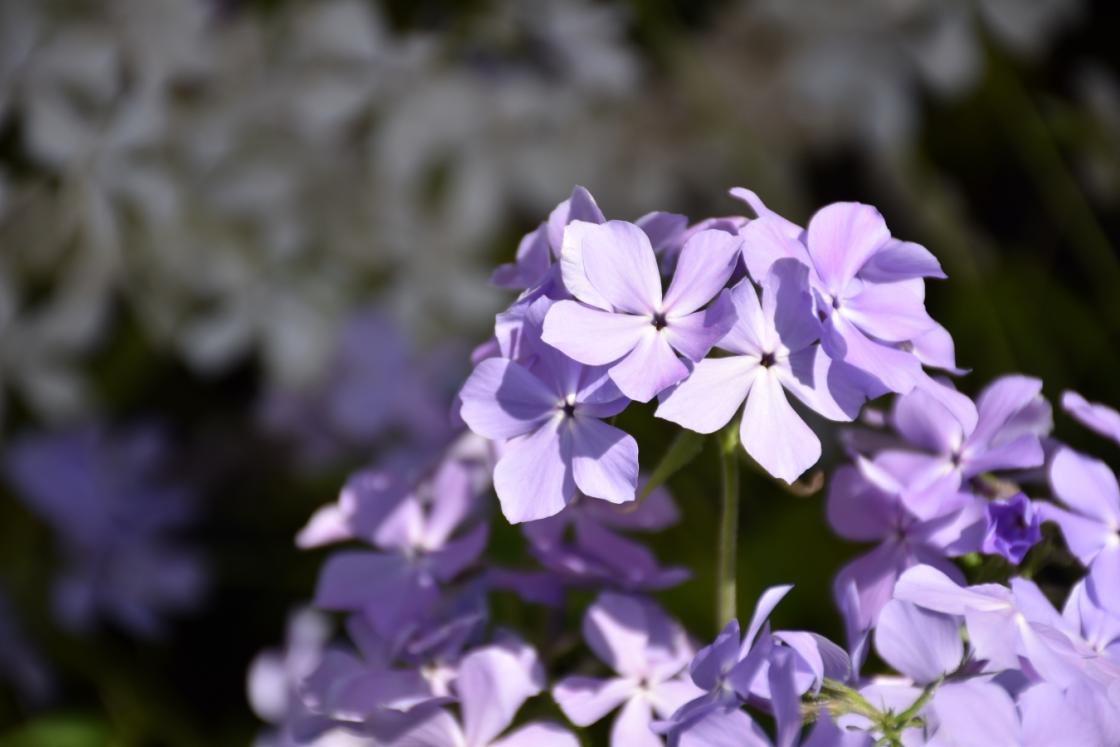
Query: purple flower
x=863, y=510
x=620, y=317
x=921, y=644
x=492, y=684
x=868, y=286
x=109, y=498
x=980, y=712
x=1014, y=527
x=1099, y=418
x=1091, y=521
x=582, y=545
x=647, y=651
x=550, y=409
x=418, y=551
x=773, y=348
x=1002, y=433
x=533, y=264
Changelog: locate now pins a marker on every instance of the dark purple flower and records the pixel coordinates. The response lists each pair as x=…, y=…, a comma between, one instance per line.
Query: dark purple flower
x=1014, y=527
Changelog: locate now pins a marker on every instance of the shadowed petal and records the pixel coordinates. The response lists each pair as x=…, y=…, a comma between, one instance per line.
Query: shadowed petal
x=604, y=460
x=1086, y=485
x=501, y=399
x=773, y=434
x=619, y=262
x=894, y=312
x=649, y=368
x=921, y=644
x=707, y=400
x=706, y=262
x=694, y=335
x=589, y=335
x=901, y=260
x=841, y=238
x=533, y=478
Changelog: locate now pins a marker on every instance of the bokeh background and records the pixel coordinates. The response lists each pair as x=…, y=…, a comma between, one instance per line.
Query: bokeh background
x=244, y=249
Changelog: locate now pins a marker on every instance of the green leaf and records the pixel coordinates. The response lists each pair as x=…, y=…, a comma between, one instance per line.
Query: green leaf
x=59, y=730
x=683, y=450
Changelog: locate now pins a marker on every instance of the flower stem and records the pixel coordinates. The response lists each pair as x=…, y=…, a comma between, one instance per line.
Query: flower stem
x=727, y=559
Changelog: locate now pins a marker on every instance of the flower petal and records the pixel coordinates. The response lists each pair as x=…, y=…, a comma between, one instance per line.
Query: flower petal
x=773, y=434
x=533, y=479
x=604, y=460
x=918, y=643
x=501, y=399
x=592, y=336
x=707, y=400
x=842, y=237
x=694, y=335
x=651, y=367
x=619, y=262
x=585, y=700
x=706, y=262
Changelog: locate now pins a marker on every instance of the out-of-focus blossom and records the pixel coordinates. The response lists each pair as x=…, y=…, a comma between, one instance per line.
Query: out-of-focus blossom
x=647, y=651
x=115, y=509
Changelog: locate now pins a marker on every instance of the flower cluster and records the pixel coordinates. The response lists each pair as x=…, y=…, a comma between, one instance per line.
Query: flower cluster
x=784, y=326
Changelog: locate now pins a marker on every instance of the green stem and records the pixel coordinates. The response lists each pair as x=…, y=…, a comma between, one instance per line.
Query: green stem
x=727, y=560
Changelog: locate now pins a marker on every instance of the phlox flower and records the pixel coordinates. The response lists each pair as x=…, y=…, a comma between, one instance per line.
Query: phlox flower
x=1090, y=520
x=621, y=319
x=492, y=684
x=647, y=651
x=773, y=349
x=550, y=408
x=1013, y=528
x=868, y=287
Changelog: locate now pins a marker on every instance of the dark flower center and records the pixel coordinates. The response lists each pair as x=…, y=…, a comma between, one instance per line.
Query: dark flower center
x=767, y=360
x=569, y=409
x=659, y=322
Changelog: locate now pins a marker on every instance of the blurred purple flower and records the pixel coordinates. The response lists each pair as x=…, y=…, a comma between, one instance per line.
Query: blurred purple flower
x=492, y=684
x=115, y=510
x=647, y=651
x=865, y=511
x=621, y=319
x=774, y=348
x=581, y=545
x=21, y=664
x=1014, y=527
x=1099, y=418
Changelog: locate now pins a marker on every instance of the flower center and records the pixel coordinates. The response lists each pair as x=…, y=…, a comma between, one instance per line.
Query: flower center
x=568, y=408
x=767, y=360
x=659, y=322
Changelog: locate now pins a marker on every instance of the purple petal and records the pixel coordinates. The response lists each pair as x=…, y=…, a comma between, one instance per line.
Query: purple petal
x=787, y=228
x=706, y=262
x=926, y=423
x=533, y=260
x=931, y=589
x=604, y=460
x=975, y=714
x=1086, y=485
x=437, y=729
x=459, y=554
x=619, y=262
x=580, y=206
x=649, y=368
x=841, y=238
x=857, y=510
x=533, y=479
x=788, y=305
x=1085, y=537
x=707, y=400
x=723, y=728
x=501, y=399
x=616, y=628
x=492, y=684
x=1096, y=417
x=896, y=370
x=632, y=725
x=773, y=434
x=592, y=336
x=832, y=390
x=538, y=734
x=784, y=698
x=585, y=700
x=920, y=644
x=663, y=229
x=695, y=334
x=712, y=661
x=1104, y=579
x=1000, y=402
x=892, y=312
x=901, y=260
x=873, y=575
x=752, y=333
x=1051, y=717
x=935, y=348
x=763, y=608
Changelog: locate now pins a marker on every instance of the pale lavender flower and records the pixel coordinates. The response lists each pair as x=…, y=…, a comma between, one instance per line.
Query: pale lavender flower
x=1098, y=626
x=550, y=409
x=981, y=713
x=1090, y=522
x=582, y=545
x=621, y=318
x=647, y=651
x=492, y=684
x=865, y=511
x=115, y=510
x=1014, y=527
x=1095, y=416
x=868, y=286
x=1001, y=433
x=419, y=547
x=773, y=347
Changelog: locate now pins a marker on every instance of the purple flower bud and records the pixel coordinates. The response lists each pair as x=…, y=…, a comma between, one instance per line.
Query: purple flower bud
x=1013, y=528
